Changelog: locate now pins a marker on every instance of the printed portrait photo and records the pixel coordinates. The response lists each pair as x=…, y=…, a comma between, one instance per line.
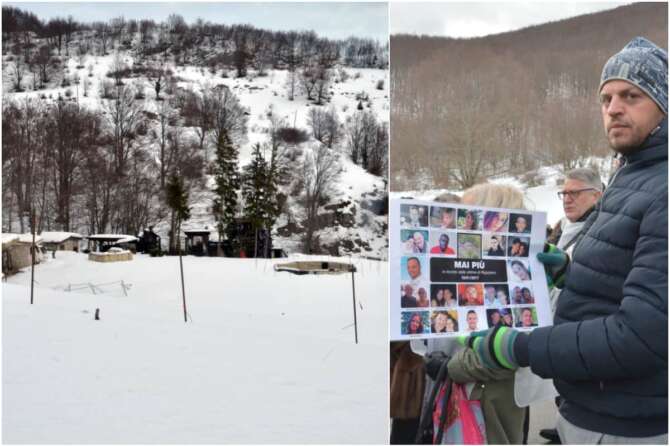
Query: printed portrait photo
x=469, y=246
x=442, y=217
x=495, y=221
x=443, y=243
x=518, y=270
x=493, y=317
x=414, y=322
x=506, y=317
x=414, y=241
x=494, y=245
x=469, y=219
x=520, y=223
x=495, y=295
x=413, y=269
x=444, y=321
x=414, y=296
x=525, y=317
x=522, y=294
x=470, y=294
x=413, y=216
x=518, y=246
x=443, y=295
x=472, y=319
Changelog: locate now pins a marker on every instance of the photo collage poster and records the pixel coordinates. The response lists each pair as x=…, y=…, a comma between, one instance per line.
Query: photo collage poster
x=456, y=269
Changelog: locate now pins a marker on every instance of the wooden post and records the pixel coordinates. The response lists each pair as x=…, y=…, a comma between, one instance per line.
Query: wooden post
x=181, y=269
x=32, y=250
x=353, y=293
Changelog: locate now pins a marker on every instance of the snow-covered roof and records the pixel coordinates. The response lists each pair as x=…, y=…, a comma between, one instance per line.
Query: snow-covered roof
x=58, y=237
x=186, y=231
x=119, y=238
x=23, y=238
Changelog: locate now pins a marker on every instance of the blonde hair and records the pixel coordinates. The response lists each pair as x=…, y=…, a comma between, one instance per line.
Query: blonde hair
x=494, y=195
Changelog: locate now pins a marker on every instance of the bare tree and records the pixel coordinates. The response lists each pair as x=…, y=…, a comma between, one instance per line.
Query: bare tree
x=123, y=114
x=18, y=72
x=320, y=170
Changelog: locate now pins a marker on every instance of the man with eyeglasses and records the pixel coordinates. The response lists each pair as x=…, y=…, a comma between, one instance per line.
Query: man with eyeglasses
x=607, y=351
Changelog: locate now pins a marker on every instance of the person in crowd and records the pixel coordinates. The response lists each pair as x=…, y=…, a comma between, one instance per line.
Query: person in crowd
x=607, y=351
x=521, y=224
x=581, y=190
x=415, y=324
x=495, y=221
x=520, y=271
x=408, y=300
x=495, y=388
x=423, y=300
x=494, y=247
x=443, y=246
x=439, y=324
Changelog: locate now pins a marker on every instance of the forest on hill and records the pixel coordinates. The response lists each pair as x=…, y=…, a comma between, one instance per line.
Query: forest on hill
x=466, y=109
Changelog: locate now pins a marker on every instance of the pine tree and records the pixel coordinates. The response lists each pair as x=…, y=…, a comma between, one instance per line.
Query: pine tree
x=227, y=181
x=255, y=192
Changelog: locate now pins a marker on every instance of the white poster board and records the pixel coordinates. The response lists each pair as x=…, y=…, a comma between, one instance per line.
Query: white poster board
x=457, y=269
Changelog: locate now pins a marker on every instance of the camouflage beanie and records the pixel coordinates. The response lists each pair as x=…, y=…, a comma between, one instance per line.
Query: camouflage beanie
x=644, y=65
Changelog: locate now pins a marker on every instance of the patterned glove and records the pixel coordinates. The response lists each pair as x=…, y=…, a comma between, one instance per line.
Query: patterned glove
x=555, y=262
x=494, y=347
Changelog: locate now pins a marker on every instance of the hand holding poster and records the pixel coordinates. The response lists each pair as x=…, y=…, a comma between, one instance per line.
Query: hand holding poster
x=457, y=269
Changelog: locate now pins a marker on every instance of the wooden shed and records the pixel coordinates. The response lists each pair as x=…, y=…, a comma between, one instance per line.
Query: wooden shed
x=16, y=252
x=61, y=241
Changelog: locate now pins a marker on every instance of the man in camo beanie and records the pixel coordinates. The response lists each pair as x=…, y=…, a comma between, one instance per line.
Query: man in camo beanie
x=644, y=65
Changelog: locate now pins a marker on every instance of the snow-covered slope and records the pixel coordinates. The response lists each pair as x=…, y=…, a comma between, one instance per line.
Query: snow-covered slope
x=267, y=357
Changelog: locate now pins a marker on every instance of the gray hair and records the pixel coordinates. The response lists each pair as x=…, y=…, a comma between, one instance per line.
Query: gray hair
x=585, y=175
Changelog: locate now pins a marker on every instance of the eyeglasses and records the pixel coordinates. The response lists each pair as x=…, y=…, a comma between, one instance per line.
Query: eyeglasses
x=572, y=193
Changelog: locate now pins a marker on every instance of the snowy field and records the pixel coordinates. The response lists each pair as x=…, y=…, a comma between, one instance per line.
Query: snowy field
x=267, y=357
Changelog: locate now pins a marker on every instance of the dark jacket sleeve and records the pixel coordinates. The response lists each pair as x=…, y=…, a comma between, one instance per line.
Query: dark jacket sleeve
x=633, y=341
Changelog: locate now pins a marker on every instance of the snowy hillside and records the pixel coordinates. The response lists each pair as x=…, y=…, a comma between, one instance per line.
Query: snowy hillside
x=85, y=79
x=267, y=357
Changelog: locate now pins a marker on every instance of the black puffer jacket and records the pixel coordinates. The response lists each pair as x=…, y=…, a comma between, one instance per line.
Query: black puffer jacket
x=608, y=349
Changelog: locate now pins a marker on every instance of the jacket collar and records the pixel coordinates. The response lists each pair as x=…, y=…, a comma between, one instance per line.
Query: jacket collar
x=655, y=147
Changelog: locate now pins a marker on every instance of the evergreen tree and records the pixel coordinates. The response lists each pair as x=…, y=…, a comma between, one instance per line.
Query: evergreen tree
x=227, y=181
x=255, y=192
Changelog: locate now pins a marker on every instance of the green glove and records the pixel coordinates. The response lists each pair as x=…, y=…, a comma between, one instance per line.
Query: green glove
x=494, y=347
x=555, y=262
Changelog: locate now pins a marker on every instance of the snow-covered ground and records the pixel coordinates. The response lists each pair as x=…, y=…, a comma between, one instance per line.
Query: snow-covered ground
x=267, y=357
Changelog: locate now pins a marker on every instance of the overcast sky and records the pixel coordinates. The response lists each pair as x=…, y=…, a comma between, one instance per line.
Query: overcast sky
x=334, y=20
x=475, y=19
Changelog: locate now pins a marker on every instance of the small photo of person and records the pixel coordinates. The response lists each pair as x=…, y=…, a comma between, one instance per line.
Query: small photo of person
x=522, y=295
x=470, y=294
x=494, y=245
x=444, y=322
x=469, y=219
x=422, y=300
x=443, y=218
x=412, y=270
x=520, y=223
x=518, y=246
x=469, y=246
x=443, y=243
x=414, y=241
x=493, y=317
x=495, y=221
x=414, y=322
x=413, y=216
x=473, y=320
x=519, y=270
x=443, y=295
x=506, y=317
x=495, y=295
x=525, y=317
x=407, y=299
